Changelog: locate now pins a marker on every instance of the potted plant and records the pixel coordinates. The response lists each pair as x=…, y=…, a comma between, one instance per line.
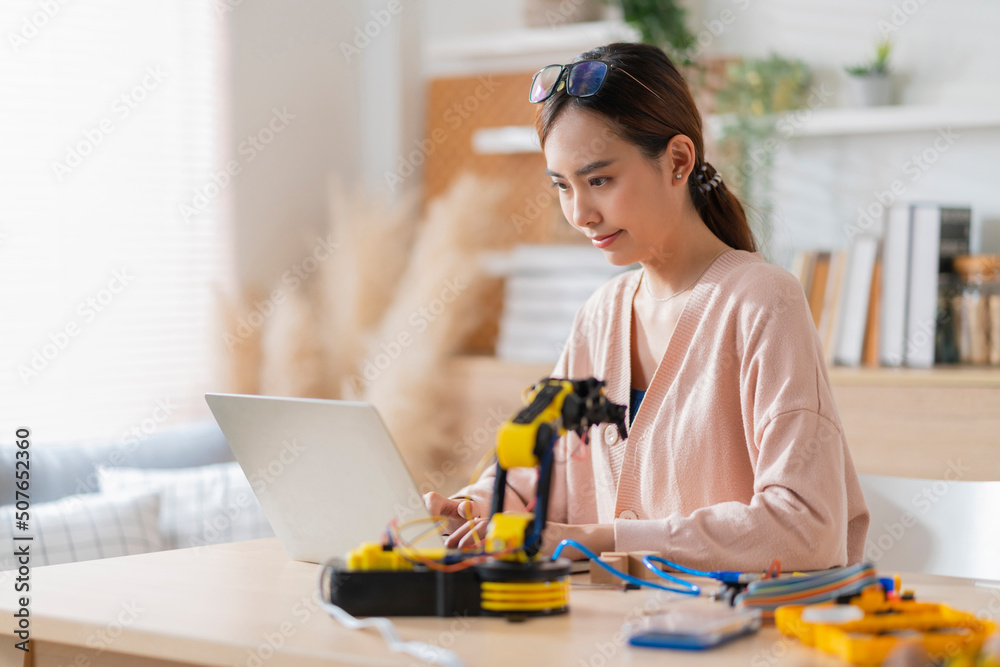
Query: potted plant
x=870, y=83
x=756, y=91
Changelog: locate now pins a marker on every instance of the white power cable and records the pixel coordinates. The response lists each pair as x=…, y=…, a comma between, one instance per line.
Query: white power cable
x=428, y=653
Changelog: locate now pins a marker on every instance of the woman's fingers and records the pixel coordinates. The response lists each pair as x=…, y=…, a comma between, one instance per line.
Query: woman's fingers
x=452, y=540
x=459, y=514
x=459, y=533
x=439, y=505
x=472, y=538
x=464, y=537
x=453, y=510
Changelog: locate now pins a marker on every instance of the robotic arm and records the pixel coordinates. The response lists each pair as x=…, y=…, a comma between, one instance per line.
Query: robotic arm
x=508, y=579
x=553, y=408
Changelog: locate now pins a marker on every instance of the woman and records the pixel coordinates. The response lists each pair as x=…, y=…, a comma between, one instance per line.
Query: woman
x=735, y=454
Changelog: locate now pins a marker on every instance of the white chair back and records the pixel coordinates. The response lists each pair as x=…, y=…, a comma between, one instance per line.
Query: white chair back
x=933, y=526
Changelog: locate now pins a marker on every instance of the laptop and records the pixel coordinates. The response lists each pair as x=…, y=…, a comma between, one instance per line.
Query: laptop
x=327, y=473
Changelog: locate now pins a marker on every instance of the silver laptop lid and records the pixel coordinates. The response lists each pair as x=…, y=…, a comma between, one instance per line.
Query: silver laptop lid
x=327, y=473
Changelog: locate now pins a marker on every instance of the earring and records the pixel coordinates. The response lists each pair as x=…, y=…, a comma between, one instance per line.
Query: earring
x=679, y=176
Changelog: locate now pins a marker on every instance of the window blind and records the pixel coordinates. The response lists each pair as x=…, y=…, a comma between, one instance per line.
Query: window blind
x=110, y=123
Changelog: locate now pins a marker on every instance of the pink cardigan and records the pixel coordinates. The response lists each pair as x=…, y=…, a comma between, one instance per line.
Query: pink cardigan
x=736, y=455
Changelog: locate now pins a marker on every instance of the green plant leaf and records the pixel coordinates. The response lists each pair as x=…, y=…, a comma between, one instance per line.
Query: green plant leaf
x=662, y=23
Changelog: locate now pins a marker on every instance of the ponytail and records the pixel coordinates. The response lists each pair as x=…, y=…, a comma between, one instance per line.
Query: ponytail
x=719, y=208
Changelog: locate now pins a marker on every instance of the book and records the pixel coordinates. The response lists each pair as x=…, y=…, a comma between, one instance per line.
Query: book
x=895, y=281
x=854, y=312
x=540, y=310
x=551, y=258
x=937, y=234
x=870, y=356
x=817, y=284
x=801, y=264
x=544, y=288
x=541, y=330
x=921, y=307
x=956, y=230
x=551, y=289
x=829, y=316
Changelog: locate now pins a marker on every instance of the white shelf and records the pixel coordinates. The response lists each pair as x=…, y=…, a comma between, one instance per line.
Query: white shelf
x=880, y=120
x=505, y=140
x=523, y=50
x=821, y=123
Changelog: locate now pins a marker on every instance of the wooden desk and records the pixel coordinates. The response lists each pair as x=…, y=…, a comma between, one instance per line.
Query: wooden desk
x=246, y=603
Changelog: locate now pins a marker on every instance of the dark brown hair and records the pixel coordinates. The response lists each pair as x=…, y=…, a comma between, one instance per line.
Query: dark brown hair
x=649, y=122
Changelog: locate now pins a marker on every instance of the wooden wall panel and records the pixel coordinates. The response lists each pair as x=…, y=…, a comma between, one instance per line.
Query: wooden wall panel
x=459, y=106
x=921, y=431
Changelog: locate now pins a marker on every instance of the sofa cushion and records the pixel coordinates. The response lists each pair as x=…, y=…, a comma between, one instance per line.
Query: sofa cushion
x=83, y=527
x=68, y=469
x=205, y=505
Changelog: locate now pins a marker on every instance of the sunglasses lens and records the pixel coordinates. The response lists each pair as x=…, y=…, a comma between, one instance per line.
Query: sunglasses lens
x=544, y=82
x=585, y=78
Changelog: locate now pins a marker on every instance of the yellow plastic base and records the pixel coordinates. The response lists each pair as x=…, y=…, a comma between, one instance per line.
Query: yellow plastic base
x=371, y=556
x=507, y=597
x=943, y=631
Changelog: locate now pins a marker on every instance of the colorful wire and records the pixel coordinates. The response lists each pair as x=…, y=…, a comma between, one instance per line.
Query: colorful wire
x=412, y=554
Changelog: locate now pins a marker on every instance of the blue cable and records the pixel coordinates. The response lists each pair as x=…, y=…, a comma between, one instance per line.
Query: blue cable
x=725, y=576
x=689, y=588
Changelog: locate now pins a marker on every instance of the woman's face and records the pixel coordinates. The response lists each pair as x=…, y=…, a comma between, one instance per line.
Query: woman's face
x=609, y=191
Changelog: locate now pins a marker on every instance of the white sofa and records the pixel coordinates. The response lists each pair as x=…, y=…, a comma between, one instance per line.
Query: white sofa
x=174, y=489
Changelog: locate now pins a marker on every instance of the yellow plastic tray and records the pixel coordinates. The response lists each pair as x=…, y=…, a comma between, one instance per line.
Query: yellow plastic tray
x=943, y=631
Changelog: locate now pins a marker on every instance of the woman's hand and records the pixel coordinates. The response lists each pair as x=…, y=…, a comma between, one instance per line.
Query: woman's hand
x=456, y=511
x=597, y=537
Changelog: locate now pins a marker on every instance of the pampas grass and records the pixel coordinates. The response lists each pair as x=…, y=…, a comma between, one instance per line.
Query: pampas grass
x=373, y=245
x=292, y=348
x=438, y=304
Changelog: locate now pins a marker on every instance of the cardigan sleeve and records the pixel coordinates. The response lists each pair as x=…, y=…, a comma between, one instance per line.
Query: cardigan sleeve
x=806, y=507
x=522, y=482
x=798, y=512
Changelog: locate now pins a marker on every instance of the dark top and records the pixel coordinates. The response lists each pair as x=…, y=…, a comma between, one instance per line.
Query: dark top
x=637, y=396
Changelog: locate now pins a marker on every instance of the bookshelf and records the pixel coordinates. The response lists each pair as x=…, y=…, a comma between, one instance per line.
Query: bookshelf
x=942, y=376
x=899, y=421
x=939, y=376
